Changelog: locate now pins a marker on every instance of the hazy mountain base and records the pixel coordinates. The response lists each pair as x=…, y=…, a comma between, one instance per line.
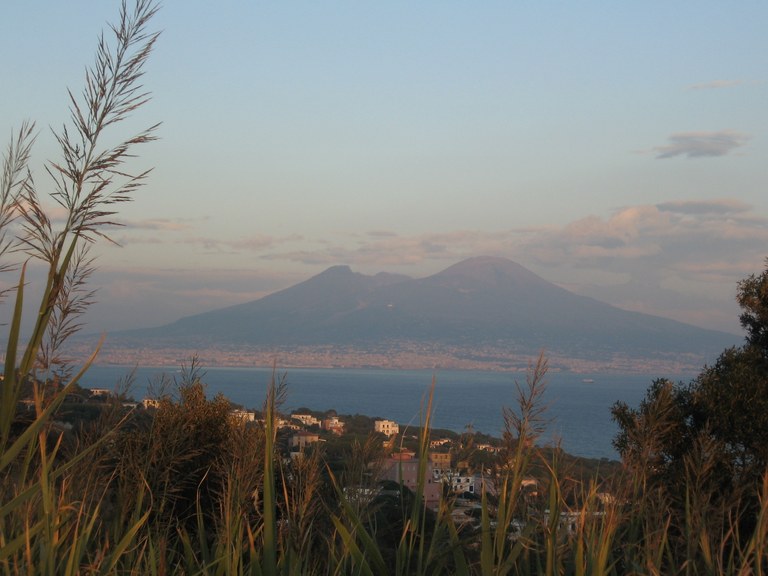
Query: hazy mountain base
x=483, y=313
x=402, y=356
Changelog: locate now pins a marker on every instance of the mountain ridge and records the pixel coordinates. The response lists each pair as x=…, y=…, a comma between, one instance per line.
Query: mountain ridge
x=477, y=304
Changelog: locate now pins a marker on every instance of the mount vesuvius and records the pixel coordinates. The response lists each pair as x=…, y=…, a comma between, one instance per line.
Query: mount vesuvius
x=477, y=305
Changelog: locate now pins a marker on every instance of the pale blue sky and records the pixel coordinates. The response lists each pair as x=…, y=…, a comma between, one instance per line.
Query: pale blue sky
x=616, y=148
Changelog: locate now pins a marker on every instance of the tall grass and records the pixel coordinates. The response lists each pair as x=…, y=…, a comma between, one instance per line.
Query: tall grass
x=52, y=505
x=253, y=511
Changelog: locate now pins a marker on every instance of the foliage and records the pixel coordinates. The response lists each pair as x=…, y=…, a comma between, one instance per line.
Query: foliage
x=753, y=299
x=709, y=436
x=178, y=456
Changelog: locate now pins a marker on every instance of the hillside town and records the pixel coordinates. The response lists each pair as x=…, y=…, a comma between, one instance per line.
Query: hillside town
x=460, y=467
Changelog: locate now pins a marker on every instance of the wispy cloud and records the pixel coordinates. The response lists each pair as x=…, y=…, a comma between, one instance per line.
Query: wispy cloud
x=680, y=259
x=255, y=243
x=723, y=206
x=715, y=85
x=387, y=248
x=702, y=144
x=161, y=224
x=382, y=233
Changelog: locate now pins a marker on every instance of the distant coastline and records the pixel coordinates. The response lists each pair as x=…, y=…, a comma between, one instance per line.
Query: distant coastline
x=578, y=416
x=401, y=358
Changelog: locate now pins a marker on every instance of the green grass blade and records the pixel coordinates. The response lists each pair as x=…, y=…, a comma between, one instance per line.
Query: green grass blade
x=355, y=553
x=123, y=544
x=47, y=303
x=31, y=432
x=11, y=386
x=10, y=548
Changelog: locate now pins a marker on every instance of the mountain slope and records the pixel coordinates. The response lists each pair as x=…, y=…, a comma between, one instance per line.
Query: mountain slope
x=478, y=302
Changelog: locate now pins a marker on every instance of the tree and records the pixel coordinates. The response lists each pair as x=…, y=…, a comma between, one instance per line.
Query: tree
x=711, y=434
x=730, y=399
x=753, y=298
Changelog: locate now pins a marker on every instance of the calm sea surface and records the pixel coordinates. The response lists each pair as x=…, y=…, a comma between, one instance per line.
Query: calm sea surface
x=578, y=409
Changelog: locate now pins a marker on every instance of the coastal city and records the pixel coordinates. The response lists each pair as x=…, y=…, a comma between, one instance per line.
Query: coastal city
x=399, y=356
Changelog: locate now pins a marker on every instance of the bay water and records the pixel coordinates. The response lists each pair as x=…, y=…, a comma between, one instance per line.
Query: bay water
x=578, y=406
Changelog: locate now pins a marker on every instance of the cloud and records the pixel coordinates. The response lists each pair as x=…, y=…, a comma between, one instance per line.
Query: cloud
x=715, y=85
x=681, y=259
x=389, y=249
x=382, y=233
x=255, y=243
x=689, y=229
x=723, y=206
x=162, y=224
x=702, y=144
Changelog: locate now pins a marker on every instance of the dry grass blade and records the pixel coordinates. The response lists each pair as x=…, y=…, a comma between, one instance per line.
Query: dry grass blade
x=15, y=179
x=73, y=301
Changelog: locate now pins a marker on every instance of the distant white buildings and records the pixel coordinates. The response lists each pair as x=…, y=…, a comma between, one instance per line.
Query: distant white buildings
x=404, y=469
x=333, y=424
x=242, y=416
x=386, y=427
x=306, y=419
x=150, y=403
x=301, y=439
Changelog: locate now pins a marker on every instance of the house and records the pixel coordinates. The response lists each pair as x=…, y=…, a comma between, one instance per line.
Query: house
x=306, y=419
x=150, y=403
x=386, y=427
x=456, y=482
x=404, y=454
x=333, y=424
x=440, y=442
x=302, y=439
x=404, y=469
x=242, y=416
x=440, y=461
x=461, y=483
x=282, y=423
x=26, y=404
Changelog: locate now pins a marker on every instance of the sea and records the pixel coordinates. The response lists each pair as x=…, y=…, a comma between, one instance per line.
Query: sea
x=577, y=406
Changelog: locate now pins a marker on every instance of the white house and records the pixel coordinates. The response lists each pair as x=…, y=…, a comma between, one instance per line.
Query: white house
x=150, y=403
x=306, y=419
x=242, y=416
x=458, y=483
x=302, y=439
x=333, y=424
x=386, y=427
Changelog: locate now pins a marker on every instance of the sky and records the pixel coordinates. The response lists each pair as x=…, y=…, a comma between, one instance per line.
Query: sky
x=617, y=149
